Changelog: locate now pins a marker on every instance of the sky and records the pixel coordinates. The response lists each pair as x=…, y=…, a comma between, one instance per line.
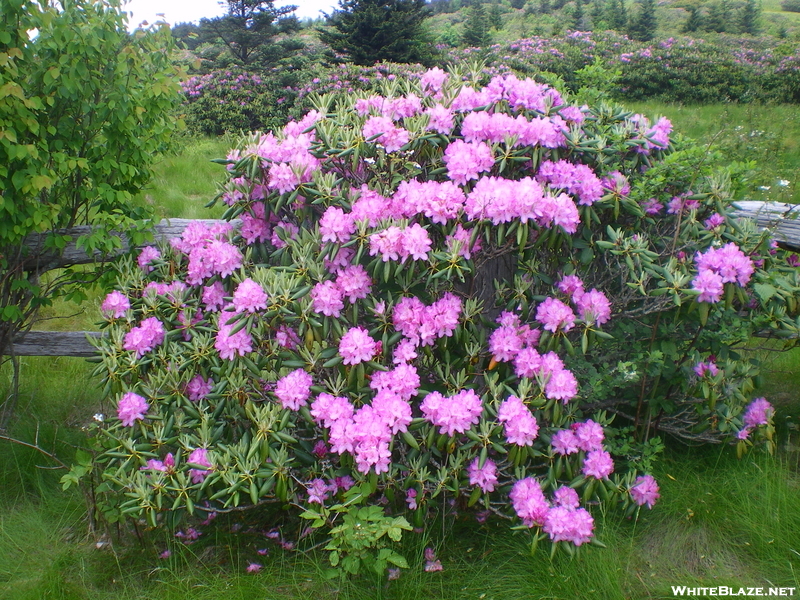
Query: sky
x=177, y=11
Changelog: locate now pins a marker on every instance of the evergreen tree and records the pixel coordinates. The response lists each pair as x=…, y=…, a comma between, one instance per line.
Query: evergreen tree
x=248, y=30
x=616, y=15
x=476, y=28
x=695, y=20
x=717, y=18
x=370, y=31
x=578, y=17
x=544, y=7
x=597, y=14
x=643, y=26
x=496, y=16
x=749, y=17
x=518, y=4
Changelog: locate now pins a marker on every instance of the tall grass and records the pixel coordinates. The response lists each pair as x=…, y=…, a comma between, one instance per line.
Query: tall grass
x=186, y=180
x=768, y=135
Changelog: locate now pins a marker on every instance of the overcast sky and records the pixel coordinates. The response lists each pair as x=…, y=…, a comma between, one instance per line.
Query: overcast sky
x=177, y=11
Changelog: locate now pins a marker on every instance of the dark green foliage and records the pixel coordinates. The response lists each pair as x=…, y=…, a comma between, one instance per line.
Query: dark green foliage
x=578, y=17
x=518, y=4
x=695, y=20
x=476, y=28
x=597, y=15
x=496, y=16
x=248, y=31
x=370, y=31
x=643, y=25
x=234, y=101
x=791, y=5
x=749, y=16
x=616, y=15
x=717, y=18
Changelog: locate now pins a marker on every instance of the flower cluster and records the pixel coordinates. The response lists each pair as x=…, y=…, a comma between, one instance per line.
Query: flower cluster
x=718, y=266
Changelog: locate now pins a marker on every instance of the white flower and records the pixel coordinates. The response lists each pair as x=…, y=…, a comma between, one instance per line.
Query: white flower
x=764, y=188
x=783, y=182
x=99, y=417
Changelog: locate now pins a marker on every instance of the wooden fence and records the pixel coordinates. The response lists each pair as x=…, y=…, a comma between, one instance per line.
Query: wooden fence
x=783, y=219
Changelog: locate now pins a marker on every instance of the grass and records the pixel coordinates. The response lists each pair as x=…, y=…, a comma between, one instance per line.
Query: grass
x=769, y=135
x=185, y=181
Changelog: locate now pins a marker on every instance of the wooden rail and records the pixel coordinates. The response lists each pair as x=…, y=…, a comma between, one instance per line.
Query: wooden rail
x=783, y=219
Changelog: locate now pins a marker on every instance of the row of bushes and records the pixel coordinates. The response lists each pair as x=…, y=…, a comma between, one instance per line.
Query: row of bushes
x=685, y=70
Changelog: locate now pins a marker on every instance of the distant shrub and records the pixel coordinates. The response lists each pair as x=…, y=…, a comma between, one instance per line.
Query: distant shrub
x=234, y=100
x=791, y=5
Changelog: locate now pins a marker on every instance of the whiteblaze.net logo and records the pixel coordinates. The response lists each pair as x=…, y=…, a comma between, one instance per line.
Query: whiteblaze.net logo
x=723, y=590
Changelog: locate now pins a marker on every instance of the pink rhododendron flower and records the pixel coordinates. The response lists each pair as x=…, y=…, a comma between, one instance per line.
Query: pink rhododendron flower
x=131, y=408
x=198, y=388
x=709, y=368
x=214, y=296
x=146, y=256
x=326, y=299
x=485, y=477
x=555, y=315
x=529, y=502
x=561, y=385
x=589, y=436
x=758, y=412
x=567, y=497
x=145, y=337
x=565, y=524
x=390, y=137
x=336, y=226
x=564, y=442
x=572, y=286
x=115, y=305
x=294, y=389
x=594, y=307
x=254, y=567
x=521, y=427
x=249, y=297
x=710, y=286
x=645, y=491
x=432, y=565
x=229, y=346
x=318, y=491
x=452, y=414
x=466, y=161
x=356, y=346
x=354, y=282
x=598, y=464
x=199, y=456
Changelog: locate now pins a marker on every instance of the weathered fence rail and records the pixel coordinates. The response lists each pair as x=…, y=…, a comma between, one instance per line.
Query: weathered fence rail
x=783, y=219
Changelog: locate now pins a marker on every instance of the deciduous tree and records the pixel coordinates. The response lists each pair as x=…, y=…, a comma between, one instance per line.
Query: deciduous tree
x=84, y=110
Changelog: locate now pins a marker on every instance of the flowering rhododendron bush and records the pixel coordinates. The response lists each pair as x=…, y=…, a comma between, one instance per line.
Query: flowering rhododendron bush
x=461, y=294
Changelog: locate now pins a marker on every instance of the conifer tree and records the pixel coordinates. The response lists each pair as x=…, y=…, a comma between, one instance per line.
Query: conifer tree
x=476, y=28
x=496, y=16
x=643, y=26
x=717, y=19
x=749, y=16
x=616, y=15
x=248, y=29
x=597, y=14
x=695, y=20
x=370, y=31
x=578, y=16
